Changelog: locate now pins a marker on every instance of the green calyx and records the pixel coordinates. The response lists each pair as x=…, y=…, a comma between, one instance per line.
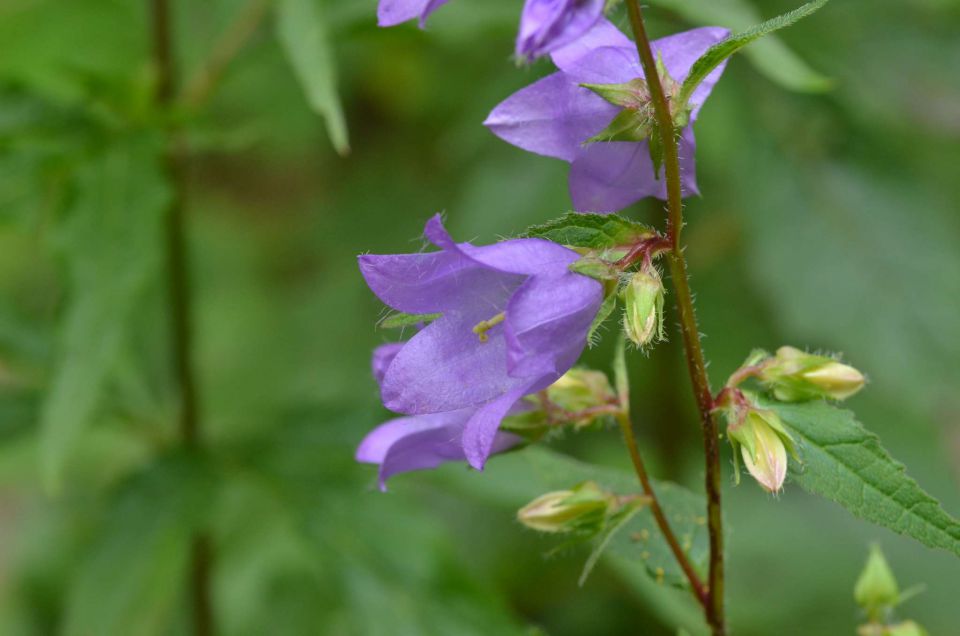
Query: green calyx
x=637, y=121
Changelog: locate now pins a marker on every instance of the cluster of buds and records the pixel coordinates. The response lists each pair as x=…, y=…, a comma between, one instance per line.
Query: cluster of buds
x=790, y=376
x=759, y=437
x=580, y=397
x=794, y=376
x=877, y=593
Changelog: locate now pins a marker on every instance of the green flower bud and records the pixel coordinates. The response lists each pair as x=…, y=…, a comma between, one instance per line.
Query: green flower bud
x=762, y=441
x=794, y=376
x=583, y=509
x=906, y=628
x=643, y=312
x=581, y=389
x=876, y=589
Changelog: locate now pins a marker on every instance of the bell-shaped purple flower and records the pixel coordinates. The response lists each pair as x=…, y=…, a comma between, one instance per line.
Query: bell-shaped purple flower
x=393, y=12
x=547, y=25
x=514, y=318
x=556, y=116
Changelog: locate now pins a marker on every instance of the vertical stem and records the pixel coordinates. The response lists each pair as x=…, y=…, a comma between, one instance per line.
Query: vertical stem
x=180, y=309
x=698, y=589
x=688, y=321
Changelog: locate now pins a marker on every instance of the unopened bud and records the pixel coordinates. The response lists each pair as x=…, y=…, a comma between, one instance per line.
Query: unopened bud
x=906, y=628
x=794, y=376
x=643, y=313
x=876, y=588
x=581, y=389
x=581, y=509
x=763, y=442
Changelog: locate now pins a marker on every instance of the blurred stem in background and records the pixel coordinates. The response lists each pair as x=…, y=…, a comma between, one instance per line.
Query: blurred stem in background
x=180, y=301
x=688, y=320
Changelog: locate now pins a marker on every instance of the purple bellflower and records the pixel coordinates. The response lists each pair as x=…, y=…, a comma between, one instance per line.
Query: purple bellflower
x=393, y=12
x=556, y=116
x=513, y=319
x=418, y=442
x=547, y=25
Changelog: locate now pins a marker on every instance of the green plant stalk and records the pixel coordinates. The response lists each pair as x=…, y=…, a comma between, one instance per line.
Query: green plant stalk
x=180, y=305
x=688, y=321
x=623, y=418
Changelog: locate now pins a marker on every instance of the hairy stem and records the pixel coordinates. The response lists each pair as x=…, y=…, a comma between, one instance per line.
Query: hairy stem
x=695, y=584
x=179, y=291
x=688, y=321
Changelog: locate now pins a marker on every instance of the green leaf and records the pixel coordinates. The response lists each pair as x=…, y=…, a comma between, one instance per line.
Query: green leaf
x=606, y=308
x=640, y=538
x=621, y=380
x=397, y=320
x=617, y=523
x=719, y=52
x=302, y=30
x=111, y=242
x=132, y=576
x=844, y=462
x=770, y=56
x=594, y=231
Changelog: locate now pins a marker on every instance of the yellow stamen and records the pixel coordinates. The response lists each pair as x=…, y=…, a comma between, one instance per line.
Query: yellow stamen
x=482, y=327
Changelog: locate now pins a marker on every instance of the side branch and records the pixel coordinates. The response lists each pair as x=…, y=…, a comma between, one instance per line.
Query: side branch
x=695, y=583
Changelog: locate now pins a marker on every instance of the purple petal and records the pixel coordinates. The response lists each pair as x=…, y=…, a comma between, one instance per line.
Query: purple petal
x=605, y=65
x=515, y=256
x=393, y=12
x=619, y=64
x=547, y=25
x=551, y=117
x=602, y=34
x=687, y=151
x=426, y=283
x=681, y=50
x=382, y=357
x=425, y=447
x=374, y=447
x=481, y=431
x=446, y=367
x=424, y=441
x=609, y=176
x=547, y=323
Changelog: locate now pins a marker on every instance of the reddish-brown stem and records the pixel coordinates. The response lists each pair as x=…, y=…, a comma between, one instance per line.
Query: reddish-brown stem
x=688, y=322
x=695, y=583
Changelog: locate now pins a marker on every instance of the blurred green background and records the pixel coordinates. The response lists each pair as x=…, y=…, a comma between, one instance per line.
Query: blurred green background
x=828, y=220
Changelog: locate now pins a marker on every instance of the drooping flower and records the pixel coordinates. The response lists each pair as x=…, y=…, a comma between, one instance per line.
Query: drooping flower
x=548, y=25
x=513, y=319
x=556, y=116
x=393, y=12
